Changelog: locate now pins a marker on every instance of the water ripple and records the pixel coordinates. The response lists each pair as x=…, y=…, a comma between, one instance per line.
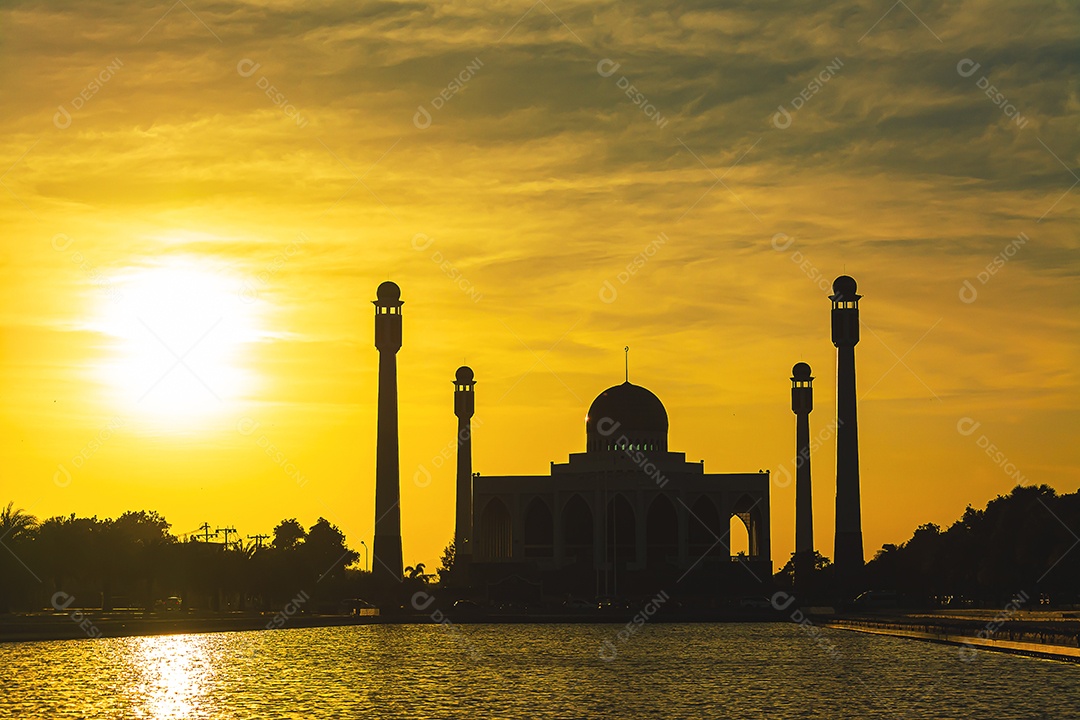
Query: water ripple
x=528, y=671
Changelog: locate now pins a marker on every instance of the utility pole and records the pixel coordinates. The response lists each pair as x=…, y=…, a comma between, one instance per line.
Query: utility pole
x=258, y=540
x=227, y=530
x=205, y=527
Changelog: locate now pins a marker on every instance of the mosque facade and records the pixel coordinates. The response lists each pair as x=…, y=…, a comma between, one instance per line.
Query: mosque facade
x=627, y=515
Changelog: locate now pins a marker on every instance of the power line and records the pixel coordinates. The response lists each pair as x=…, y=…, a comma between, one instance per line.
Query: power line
x=227, y=530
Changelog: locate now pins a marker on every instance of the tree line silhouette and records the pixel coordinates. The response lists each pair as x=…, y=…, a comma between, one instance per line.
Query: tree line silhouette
x=134, y=561
x=1026, y=541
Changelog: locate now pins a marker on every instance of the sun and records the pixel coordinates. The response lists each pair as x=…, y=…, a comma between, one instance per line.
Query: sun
x=180, y=333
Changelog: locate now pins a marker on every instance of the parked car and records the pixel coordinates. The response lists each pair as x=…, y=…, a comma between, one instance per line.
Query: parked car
x=353, y=606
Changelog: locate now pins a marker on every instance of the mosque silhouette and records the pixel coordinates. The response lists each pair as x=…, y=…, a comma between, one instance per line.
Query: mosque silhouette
x=628, y=515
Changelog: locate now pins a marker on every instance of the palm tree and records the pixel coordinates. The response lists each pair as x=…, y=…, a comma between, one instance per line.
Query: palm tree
x=16, y=528
x=15, y=524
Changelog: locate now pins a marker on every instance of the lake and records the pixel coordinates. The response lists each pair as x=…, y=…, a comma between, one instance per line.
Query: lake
x=753, y=671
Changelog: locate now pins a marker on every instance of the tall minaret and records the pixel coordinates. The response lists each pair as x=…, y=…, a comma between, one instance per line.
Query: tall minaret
x=464, y=406
x=802, y=403
x=386, y=550
x=848, y=552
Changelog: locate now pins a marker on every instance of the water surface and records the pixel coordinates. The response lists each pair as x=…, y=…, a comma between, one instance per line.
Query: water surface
x=528, y=671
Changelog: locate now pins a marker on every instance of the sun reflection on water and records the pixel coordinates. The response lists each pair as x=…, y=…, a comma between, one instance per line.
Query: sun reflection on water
x=172, y=675
x=521, y=672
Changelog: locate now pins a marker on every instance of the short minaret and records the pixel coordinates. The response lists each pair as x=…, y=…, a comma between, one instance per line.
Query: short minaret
x=848, y=551
x=802, y=403
x=464, y=407
x=386, y=549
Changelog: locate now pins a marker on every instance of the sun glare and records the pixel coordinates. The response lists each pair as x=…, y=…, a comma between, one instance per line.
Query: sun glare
x=179, y=333
x=170, y=676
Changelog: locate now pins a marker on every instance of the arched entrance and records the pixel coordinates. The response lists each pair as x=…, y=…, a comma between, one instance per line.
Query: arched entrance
x=738, y=539
x=748, y=512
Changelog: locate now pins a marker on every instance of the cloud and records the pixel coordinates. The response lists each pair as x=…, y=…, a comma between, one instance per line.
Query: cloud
x=540, y=179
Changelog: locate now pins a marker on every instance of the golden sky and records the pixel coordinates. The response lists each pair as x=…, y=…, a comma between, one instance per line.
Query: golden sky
x=199, y=200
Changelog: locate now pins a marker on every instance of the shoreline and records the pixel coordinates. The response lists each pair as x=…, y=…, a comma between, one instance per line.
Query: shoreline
x=89, y=625
x=44, y=628
x=1046, y=638
x=1020, y=638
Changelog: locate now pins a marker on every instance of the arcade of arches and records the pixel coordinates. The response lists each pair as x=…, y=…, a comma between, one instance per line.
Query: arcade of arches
x=625, y=514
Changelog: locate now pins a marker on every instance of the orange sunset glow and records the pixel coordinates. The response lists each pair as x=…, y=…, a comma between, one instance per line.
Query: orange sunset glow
x=200, y=201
